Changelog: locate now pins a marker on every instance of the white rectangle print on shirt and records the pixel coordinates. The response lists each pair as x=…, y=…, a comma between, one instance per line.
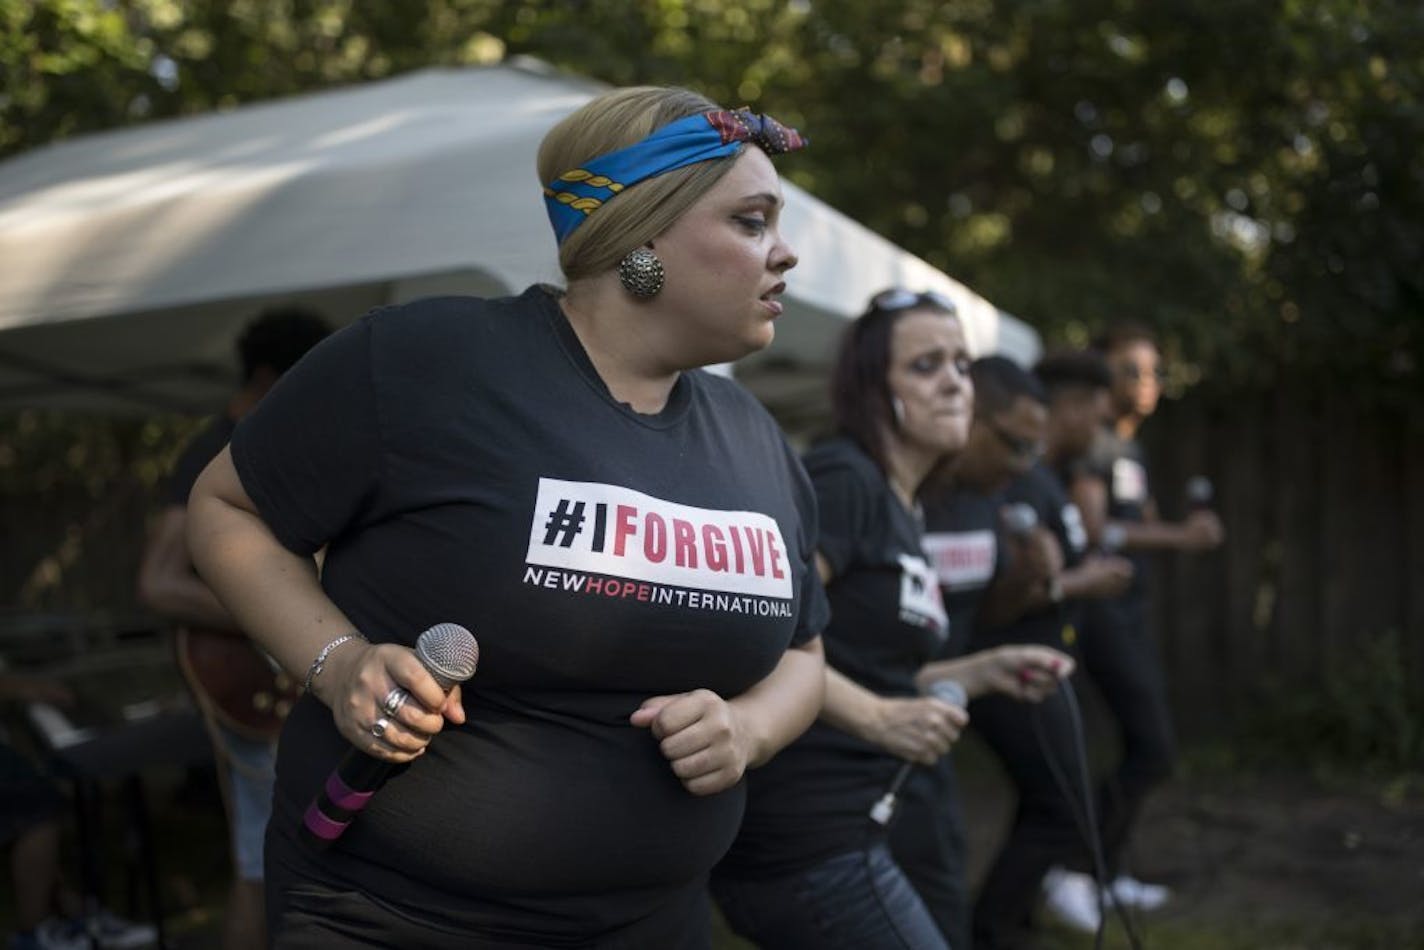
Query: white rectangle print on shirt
x=963, y=560
x=1129, y=480
x=607, y=529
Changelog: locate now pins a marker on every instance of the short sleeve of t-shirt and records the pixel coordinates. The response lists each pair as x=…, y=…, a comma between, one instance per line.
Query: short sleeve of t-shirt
x=196, y=456
x=1040, y=489
x=815, y=608
x=1098, y=460
x=845, y=501
x=309, y=454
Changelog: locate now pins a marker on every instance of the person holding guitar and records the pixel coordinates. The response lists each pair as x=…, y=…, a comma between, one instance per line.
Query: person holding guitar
x=241, y=694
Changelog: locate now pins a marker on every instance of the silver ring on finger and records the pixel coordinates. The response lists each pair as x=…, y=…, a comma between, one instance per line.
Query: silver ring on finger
x=379, y=729
x=394, y=700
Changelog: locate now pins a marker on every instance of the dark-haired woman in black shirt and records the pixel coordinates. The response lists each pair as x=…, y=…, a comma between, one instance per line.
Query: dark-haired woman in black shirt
x=810, y=868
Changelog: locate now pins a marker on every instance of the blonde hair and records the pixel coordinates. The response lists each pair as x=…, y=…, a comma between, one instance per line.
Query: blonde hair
x=613, y=121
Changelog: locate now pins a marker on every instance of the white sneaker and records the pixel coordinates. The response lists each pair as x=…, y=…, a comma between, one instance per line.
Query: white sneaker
x=1072, y=899
x=116, y=933
x=58, y=934
x=1130, y=892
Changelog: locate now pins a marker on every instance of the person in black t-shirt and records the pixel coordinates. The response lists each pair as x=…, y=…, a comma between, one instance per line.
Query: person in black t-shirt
x=1075, y=384
x=810, y=868
x=1020, y=420
x=217, y=660
x=961, y=542
x=979, y=571
x=629, y=538
x=1111, y=488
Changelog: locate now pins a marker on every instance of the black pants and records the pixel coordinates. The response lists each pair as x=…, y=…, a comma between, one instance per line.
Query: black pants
x=927, y=841
x=308, y=909
x=1124, y=664
x=1044, y=831
x=317, y=917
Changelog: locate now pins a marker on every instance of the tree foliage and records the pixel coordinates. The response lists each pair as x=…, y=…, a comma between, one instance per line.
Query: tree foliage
x=1244, y=175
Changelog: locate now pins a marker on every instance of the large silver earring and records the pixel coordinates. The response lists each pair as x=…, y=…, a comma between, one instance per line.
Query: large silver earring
x=897, y=408
x=641, y=272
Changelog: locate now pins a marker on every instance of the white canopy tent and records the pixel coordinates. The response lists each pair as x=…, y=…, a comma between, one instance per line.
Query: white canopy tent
x=129, y=260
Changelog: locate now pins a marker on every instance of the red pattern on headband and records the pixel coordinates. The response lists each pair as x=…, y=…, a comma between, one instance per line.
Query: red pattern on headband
x=744, y=125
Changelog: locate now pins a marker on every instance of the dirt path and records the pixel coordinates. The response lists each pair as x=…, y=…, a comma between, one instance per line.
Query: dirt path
x=1261, y=862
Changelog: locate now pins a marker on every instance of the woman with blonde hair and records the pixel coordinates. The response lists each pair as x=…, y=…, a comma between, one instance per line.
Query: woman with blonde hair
x=630, y=540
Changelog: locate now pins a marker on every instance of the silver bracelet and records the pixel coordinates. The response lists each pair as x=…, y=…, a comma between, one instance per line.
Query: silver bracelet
x=319, y=663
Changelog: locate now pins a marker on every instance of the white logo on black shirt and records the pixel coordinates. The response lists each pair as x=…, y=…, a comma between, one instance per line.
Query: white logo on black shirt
x=1129, y=480
x=920, y=601
x=620, y=533
x=1073, y=528
x=963, y=560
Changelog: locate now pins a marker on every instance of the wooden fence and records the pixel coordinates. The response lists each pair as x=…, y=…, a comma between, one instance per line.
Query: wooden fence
x=1324, y=509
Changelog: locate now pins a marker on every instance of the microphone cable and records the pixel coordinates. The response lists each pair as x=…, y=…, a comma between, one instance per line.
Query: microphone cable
x=883, y=811
x=1084, y=814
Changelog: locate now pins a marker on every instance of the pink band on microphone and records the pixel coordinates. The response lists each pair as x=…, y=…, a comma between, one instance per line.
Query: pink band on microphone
x=322, y=826
x=343, y=796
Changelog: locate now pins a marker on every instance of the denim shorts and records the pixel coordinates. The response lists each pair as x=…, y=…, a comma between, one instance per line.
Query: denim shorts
x=27, y=798
x=250, y=765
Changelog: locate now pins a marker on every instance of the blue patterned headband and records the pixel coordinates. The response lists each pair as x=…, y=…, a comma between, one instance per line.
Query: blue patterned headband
x=576, y=194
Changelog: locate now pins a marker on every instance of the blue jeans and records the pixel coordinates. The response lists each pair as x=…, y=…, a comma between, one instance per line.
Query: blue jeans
x=927, y=840
x=859, y=900
x=249, y=766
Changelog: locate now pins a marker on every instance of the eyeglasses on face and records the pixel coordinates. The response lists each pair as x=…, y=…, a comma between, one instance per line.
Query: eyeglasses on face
x=898, y=298
x=1133, y=372
x=1021, y=448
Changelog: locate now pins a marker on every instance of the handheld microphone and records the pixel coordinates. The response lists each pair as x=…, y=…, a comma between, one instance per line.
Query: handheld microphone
x=946, y=691
x=449, y=653
x=1199, y=493
x=1019, y=519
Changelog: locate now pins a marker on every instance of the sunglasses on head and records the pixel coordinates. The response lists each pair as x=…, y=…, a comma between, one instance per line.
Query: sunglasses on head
x=898, y=298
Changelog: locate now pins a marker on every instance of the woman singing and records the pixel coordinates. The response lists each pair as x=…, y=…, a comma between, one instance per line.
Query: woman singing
x=629, y=538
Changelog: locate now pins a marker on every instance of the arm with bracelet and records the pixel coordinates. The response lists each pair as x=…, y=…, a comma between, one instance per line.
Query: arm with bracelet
x=299, y=626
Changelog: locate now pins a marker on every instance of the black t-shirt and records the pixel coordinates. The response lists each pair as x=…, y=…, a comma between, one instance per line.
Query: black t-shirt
x=1121, y=466
x=813, y=800
x=466, y=463
x=1040, y=489
x=962, y=544
x=195, y=457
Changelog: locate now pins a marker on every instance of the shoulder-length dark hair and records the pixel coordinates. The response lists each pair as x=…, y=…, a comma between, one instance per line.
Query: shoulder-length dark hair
x=860, y=384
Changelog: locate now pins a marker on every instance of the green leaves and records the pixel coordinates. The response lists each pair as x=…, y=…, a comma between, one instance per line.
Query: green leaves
x=1246, y=175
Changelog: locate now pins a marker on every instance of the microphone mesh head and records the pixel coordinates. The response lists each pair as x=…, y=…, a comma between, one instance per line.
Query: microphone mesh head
x=1199, y=490
x=949, y=691
x=449, y=652
x=1020, y=518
